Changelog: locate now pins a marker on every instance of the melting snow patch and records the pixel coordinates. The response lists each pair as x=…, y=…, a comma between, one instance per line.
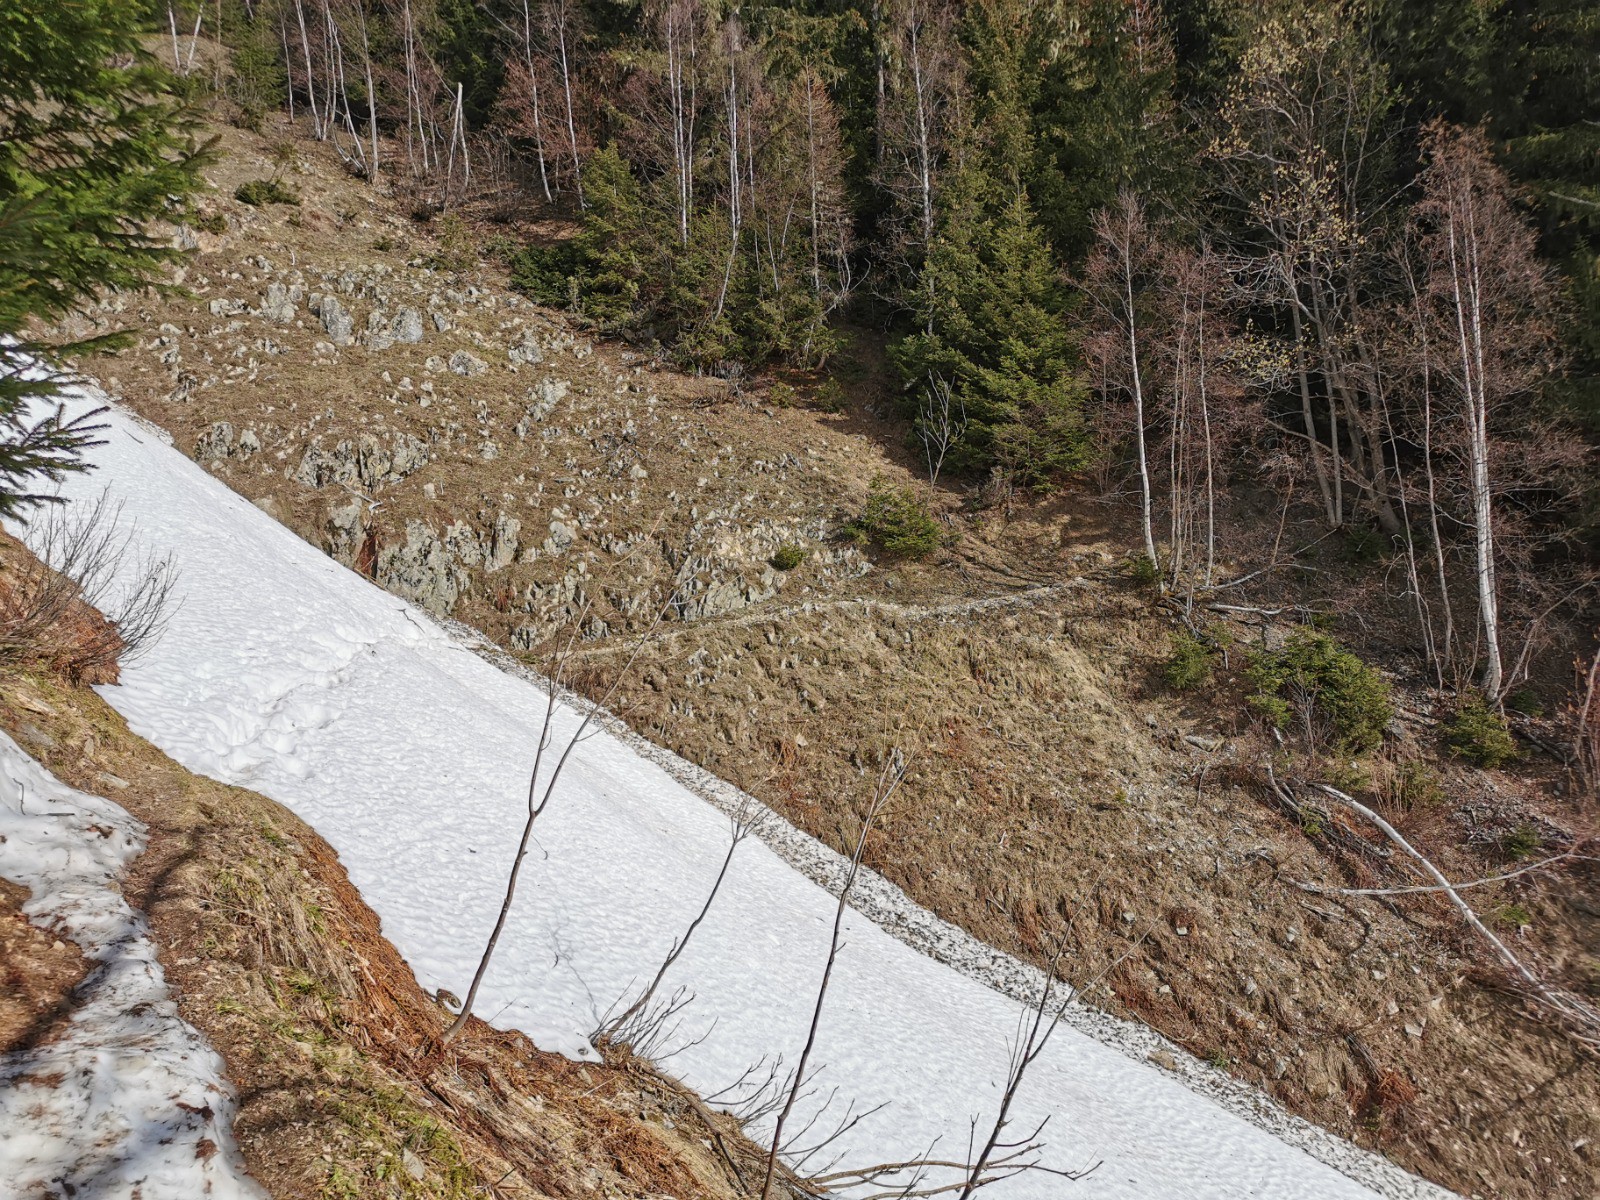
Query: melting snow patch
x=129, y=1101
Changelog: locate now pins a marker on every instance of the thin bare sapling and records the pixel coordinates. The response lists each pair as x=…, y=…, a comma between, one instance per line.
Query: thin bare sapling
x=889, y=781
x=541, y=792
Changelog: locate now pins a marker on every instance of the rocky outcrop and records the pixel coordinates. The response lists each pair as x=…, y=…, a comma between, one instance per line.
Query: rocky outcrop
x=542, y=400
x=431, y=568
x=376, y=336
x=278, y=304
x=526, y=351
x=561, y=538
x=502, y=543
x=346, y=532
x=406, y=328
x=705, y=587
x=423, y=569
x=369, y=461
x=337, y=322
x=219, y=442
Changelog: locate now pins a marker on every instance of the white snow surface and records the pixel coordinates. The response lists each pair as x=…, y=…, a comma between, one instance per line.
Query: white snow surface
x=129, y=1102
x=286, y=673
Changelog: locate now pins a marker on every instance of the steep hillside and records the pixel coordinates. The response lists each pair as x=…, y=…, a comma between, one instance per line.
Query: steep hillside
x=376, y=386
x=331, y=1045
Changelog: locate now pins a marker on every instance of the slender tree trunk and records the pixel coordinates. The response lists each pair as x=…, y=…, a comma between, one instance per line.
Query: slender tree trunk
x=372, y=91
x=311, y=75
x=881, y=62
x=924, y=153
x=533, y=97
x=1138, y=406
x=1330, y=374
x=1467, y=295
x=1211, y=478
x=682, y=135
x=813, y=188
x=288, y=65
x=1319, y=468
x=172, y=24
x=562, y=20
x=735, y=177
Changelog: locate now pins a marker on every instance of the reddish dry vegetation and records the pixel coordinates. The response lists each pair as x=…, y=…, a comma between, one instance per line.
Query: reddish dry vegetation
x=38, y=972
x=45, y=622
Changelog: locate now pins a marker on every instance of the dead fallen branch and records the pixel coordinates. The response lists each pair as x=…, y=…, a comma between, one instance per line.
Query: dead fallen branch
x=1417, y=889
x=1577, y=1013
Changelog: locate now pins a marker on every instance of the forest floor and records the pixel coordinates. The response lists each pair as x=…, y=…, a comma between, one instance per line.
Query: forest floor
x=512, y=470
x=329, y=1042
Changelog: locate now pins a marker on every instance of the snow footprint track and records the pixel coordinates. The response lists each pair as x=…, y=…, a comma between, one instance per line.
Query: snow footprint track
x=266, y=715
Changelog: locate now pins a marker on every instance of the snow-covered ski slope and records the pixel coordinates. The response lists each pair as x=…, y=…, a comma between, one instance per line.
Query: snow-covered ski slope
x=286, y=673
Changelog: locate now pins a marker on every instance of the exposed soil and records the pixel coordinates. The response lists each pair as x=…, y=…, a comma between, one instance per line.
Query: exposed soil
x=38, y=972
x=1059, y=788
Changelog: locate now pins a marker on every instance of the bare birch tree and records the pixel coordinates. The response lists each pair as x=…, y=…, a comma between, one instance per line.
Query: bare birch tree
x=919, y=117
x=1120, y=271
x=563, y=34
x=1487, y=293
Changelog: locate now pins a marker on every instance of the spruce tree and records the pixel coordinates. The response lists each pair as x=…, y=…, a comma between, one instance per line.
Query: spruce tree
x=993, y=331
x=94, y=146
x=609, y=247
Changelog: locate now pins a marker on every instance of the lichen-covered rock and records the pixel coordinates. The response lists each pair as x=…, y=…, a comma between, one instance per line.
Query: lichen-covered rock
x=461, y=540
x=278, y=305
x=369, y=460
x=377, y=336
x=406, y=328
x=319, y=467
x=183, y=388
x=502, y=543
x=526, y=350
x=422, y=569
x=345, y=532
x=561, y=538
x=407, y=454
x=219, y=442
x=339, y=325
x=464, y=362
x=216, y=442
x=542, y=400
